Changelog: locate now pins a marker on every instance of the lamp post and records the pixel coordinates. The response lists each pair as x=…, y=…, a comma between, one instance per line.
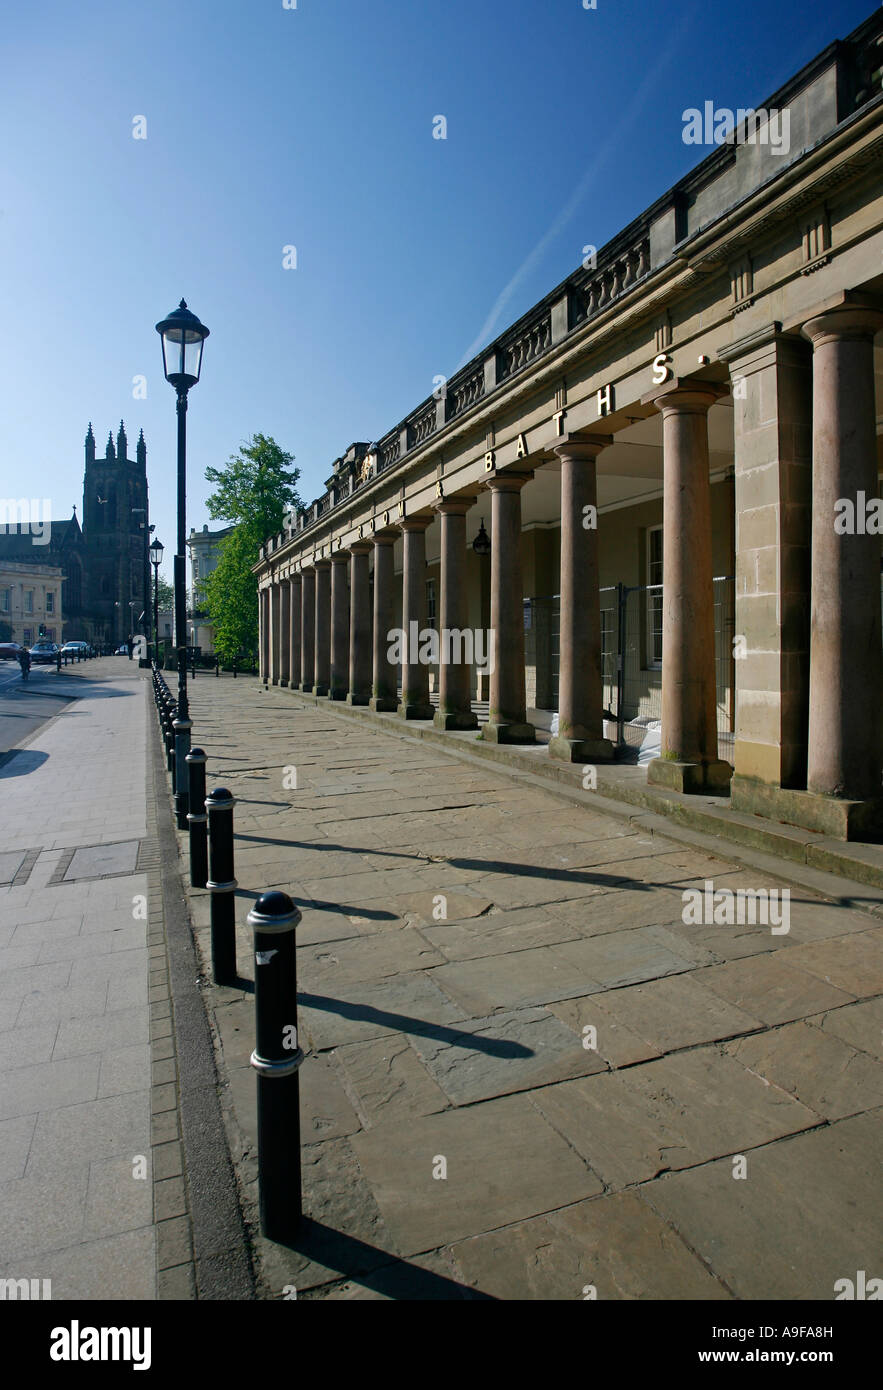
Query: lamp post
x=157, y=550
x=182, y=336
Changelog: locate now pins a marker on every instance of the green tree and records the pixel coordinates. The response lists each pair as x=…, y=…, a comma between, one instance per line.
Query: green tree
x=166, y=594
x=254, y=491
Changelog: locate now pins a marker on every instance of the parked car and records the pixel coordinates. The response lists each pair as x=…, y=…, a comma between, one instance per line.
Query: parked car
x=122, y=651
x=74, y=647
x=9, y=651
x=44, y=653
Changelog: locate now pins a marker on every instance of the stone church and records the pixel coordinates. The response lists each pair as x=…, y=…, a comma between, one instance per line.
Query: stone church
x=104, y=561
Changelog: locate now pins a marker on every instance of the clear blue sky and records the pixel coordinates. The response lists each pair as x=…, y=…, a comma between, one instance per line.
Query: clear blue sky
x=312, y=127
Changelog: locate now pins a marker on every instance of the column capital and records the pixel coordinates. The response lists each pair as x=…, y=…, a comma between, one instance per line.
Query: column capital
x=414, y=523
x=507, y=482
x=458, y=505
x=321, y=564
x=385, y=536
x=585, y=446
x=339, y=556
x=362, y=547
x=852, y=319
x=686, y=395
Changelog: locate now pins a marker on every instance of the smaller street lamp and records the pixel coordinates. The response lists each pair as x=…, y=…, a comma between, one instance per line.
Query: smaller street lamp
x=157, y=550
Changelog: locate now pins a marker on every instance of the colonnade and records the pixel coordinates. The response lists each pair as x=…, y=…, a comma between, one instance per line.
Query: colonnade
x=319, y=633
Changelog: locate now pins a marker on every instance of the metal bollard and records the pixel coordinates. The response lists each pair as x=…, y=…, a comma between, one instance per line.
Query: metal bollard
x=182, y=729
x=196, y=819
x=276, y=1059
x=217, y=667
x=222, y=885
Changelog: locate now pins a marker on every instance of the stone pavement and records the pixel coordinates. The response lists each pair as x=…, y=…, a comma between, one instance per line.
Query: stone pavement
x=527, y=1077
x=90, y=1164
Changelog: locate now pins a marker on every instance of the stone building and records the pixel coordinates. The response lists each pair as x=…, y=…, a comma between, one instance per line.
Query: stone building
x=104, y=563
x=676, y=457
x=205, y=550
x=31, y=600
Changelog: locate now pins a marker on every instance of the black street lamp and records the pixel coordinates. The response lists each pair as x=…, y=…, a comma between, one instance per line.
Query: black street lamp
x=157, y=550
x=183, y=337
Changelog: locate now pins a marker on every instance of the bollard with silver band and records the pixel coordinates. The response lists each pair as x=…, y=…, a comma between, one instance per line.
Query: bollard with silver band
x=222, y=885
x=182, y=729
x=277, y=1059
x=197, y=821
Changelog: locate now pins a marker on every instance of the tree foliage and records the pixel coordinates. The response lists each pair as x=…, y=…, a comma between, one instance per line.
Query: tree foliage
x=254, y=491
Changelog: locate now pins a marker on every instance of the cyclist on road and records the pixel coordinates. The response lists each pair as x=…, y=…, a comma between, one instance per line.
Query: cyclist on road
x=24, y=661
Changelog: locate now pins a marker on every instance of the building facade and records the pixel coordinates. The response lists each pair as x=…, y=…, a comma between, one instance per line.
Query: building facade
x=104, y=563
x=676, y=458
x=31, y=602
x=205, y=550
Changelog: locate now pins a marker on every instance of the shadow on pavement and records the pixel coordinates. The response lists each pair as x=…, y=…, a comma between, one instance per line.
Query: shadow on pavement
x=403, y=1023
x=20, y=762
x=354, y=1258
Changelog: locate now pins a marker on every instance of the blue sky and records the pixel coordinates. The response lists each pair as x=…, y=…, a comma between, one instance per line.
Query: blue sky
x=312, y=127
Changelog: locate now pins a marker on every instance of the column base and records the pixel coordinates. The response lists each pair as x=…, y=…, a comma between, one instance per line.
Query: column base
x=284, y=681
x=352, y=699
x=415, y=711
x=383, y=704
x=712, y=777
x=828, y=815
x=306, y=687
x=581, y=750
x=509, y=733
x=454, y=719
x=320, y=689
x=338, y=694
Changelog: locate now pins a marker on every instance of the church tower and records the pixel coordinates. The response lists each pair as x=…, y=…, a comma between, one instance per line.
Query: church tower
x=116, y=534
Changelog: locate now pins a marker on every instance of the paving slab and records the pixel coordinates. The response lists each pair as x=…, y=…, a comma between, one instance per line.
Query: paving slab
x=613, y=1247
x=676, y=1112
x=503, y=1162
x=659, y=1016
x=807, y=1214
x=772, y=989
x=818, y=1069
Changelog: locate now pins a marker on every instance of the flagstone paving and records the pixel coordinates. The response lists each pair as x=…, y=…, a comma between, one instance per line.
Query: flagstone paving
x=527, y=1076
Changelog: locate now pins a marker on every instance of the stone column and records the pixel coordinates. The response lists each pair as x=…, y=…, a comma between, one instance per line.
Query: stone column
x=340, y=626
x=846, y=667
x=415, y=674
x=307, y=629
x=384, y=672
x=580, y=736
x=284, y=630
x=264, y=634
x=771, y=384
x=294, y=638
x=275, y=633
x=689, y=761
x=455, y=668
x=507, y=722
x=360, y=625
x=322, y=667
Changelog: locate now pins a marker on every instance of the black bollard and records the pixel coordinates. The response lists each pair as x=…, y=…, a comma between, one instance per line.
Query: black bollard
x=217, y=667
x=222, y=885
x=276, y=1059
x=196, y=819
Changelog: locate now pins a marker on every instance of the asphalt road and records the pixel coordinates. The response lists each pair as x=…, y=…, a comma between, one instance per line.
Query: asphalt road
x=26, y=705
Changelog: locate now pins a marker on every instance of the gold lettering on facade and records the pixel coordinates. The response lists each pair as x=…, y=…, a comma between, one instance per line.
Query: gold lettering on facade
x=521, y=447
x=558, y=417
x=489, y=460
